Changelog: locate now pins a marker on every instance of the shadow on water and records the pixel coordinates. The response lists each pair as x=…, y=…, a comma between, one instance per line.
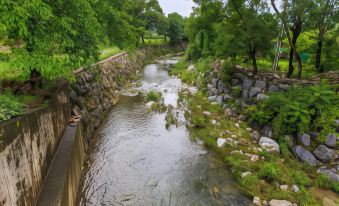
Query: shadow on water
x=137, y=161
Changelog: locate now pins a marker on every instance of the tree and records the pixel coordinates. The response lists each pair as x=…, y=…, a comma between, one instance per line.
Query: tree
x=257, y=27
x=176, y=27
x=323, y=19
x=293, y=18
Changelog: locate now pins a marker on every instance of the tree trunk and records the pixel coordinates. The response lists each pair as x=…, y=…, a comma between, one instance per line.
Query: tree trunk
x=165, y=38
x=254, y=60
x=143, y=39
x=318, y=64
x=290, y=64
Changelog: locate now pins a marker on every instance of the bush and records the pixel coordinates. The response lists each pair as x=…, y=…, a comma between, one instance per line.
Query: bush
x=9, y=107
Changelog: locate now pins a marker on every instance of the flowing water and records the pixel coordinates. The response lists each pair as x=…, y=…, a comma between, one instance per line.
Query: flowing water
x=137, y=161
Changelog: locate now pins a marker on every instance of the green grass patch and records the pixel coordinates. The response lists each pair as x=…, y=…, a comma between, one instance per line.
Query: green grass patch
x=153, y=96
x=106, y=52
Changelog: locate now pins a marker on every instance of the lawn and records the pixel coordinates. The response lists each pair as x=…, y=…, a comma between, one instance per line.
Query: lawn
x=106, y=52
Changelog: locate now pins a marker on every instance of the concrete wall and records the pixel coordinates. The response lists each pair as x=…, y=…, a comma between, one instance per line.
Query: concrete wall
x=27, y=148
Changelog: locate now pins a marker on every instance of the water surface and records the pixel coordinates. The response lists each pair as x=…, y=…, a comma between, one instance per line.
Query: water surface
x=137, y=161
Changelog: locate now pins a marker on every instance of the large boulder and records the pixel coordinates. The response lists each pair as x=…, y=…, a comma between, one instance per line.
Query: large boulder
x=280, y=203
x=269, y=144
x=324, y=153
x=331, y=140
x=254, y=91
x=305, y=155
x=305, y=139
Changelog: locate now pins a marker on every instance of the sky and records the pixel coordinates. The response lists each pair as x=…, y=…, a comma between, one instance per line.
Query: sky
x=183, y=7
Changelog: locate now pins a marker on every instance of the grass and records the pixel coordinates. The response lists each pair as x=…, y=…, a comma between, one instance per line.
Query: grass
x=106, y=52
x=153, y=96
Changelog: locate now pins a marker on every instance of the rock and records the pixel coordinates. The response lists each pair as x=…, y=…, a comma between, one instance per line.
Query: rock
x=255, y=158
x=255, y=135
x=305, y=139
x=243, y=117
x=226, y=91
x=215, y=83
x=295, y=188
x=224, y=106
x=212, y=98
x=209, y=86
x=261, y=97
x=214, y=91
x=245, y=174
x=273, y=88
x=329, y=172
x=284, y=187
x=73, y=96
x=283, y=87
x=313, y=135
x=191, y=68
x=254, y=91
x=245, y=93
x=331, y=140
x=324, y=153
x=221, y=86
x=260, y=84
x=265, y=203
x=249, y=129
x=221, y=142
x=235, y=82
x=237, y=125
x=149, y=104
x=213, y=121
x=247, y=84
x=280, y=203
x=269, y=144
x=207, y=113
x=227, y=97
x=328, y=202
x=267, y=131
x=305, y=155
x=220, y=99
x=257, y=201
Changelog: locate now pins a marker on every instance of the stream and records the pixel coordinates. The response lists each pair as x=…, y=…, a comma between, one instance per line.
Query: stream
x=137, y=161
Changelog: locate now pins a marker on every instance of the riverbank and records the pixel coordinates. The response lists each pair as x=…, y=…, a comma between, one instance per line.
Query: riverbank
x=266, y=169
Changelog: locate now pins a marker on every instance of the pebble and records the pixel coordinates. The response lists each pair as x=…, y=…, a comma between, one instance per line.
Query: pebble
x=257, y=201
x=237, y=125
x=295, y=188
x=284, y=187
x=245, y=174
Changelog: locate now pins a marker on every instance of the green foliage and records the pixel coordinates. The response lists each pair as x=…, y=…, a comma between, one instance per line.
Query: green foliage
x=270, y=171
x=227, y=71
x=299, y=110
x=154, y=96
x=300, y=178
x=9, y=107
x=176, y=27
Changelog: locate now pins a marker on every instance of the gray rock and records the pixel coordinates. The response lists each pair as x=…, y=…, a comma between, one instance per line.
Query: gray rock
x=214, y=91
x=255, y=135
x=209, y=86
x=227, y=97
x=227, y=91
x=261, y=97
x=220, y=99
x=313, y=135
x=273, y=88
x=261, y=84
x=337, y=122
x=280, y=203
x=269, y=144
x=254, y=91
x=331, y=140
x=212, y=98
x=73, y=96
x=245, y=93
x=304, y=139
x=221, y=86
x=267, y=131
x=329, y=172
x=324, y=153
x=283, y=87
x=295, y=188
x=207, y=113
x=235, y=82
x=305, y=155
x=215, y=83
x=247, y=84
x=243, y=117
x=224, y=106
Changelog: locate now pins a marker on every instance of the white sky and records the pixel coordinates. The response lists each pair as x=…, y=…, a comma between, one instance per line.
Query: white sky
x=183, y=7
